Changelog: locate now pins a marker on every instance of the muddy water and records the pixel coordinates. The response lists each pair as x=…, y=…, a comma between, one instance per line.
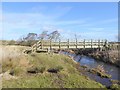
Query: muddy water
x=92, y=63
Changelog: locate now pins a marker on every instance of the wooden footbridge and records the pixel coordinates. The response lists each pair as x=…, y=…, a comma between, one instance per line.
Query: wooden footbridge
x=49, y=45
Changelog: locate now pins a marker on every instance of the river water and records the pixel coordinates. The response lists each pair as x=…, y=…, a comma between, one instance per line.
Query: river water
x=92, y=63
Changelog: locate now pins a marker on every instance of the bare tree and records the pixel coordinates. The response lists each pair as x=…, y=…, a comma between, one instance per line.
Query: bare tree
x=55, y=35
x=43, y=35
x=28, y=40
x=31, y=36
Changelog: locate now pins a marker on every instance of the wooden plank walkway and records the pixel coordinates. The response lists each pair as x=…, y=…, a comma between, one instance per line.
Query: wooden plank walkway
x=69, y=44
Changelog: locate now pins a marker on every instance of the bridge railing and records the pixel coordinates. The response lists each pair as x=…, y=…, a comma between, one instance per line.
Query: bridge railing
x=69, y=44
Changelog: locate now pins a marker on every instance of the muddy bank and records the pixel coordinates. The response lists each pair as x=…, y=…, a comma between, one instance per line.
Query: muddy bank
x=107, y=56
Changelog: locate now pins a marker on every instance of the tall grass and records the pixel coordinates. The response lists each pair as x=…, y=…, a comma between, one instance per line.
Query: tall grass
x=11, y=57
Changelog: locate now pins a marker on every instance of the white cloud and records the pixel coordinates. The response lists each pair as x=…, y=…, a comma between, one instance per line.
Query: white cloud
x=36, y=22
x=35, y=17
x=28, y=21
x=51, y=28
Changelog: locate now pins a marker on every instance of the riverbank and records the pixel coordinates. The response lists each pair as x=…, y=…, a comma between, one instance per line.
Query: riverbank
x=98, y=67
x=110, y=56
x=41, y=70
x=107, y=56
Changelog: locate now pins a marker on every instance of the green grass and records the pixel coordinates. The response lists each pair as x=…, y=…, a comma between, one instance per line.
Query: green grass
x=99, y=73
x=67, y=77
x=115, y=87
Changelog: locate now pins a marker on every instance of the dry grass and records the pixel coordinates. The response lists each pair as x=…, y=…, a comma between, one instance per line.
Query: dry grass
x=113, y=54
x=10, y=51
x=12, y=56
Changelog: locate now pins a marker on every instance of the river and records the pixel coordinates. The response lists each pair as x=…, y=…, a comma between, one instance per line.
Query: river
x=92, y=63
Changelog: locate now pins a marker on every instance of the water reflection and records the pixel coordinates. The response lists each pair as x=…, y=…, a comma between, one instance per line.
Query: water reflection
x=92, y=63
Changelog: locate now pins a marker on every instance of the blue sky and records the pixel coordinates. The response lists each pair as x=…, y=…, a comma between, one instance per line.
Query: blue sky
x=88, y=20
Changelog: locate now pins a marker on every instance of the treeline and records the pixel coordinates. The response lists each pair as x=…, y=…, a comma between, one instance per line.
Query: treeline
x=32, y=38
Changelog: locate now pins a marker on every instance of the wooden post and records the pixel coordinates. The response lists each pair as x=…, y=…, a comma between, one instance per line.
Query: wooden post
x=41, y=44
x=102, y=43
x=105, y=44
x=33, y=48
x=50, y=44
x=76, y=42
x=112, y=47
x=99, y=45
x=91, y=43
x=68, y=43
x=84, y=43
x=59, y=43
x=108, y=46
x=36, y=46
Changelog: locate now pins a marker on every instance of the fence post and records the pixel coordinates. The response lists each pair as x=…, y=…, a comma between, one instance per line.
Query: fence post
x=99, y=45
x=68, y=43
x=59, y=43
x=76, y=42
x=105, y=44
x=84, y=43
x=41, y=44
x=91, y=43
x=36, y=46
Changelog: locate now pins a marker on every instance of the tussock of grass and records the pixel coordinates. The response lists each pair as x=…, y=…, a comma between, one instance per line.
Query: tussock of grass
x=38, y=69
x=17, y=71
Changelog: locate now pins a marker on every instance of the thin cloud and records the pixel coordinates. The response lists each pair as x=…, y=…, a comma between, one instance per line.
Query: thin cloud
x=28, y=21
x=105, y=22
x=36, y=22
x=37, y=9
